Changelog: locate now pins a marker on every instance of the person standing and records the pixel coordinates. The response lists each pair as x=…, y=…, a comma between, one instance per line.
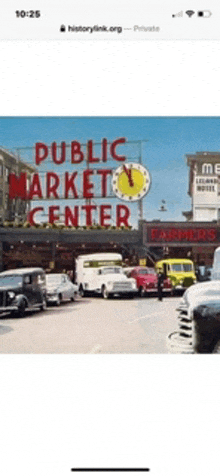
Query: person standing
x=160, y=280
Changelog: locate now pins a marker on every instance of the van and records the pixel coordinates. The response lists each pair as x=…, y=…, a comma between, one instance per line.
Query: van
x=102, y=273
x=181, y=272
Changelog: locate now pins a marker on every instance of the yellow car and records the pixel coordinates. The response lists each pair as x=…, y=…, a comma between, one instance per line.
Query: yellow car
x=181, y=272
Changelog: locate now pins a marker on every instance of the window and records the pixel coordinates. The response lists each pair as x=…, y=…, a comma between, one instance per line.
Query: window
x=27, y=279
x=7, y=172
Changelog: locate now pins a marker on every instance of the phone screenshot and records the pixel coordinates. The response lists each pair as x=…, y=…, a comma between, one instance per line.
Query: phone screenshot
x=109, y=237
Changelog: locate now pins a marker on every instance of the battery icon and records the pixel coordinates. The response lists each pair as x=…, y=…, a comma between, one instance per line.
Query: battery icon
x=204, y=13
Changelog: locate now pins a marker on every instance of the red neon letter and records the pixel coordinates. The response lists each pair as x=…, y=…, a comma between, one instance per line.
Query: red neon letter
x=52, y=216
x=113, y=147
x=70, y=185
x=122, y=215
x=54, y=153
x=104, y=216
x=153, y=234
x=35, y=188
x=90, y=153
x=87, y=185
x=104, y=173
x=31, y=214
x=39, y=146
x=53, y=182
x=76, y=150
x=18, y=186
x=71, y=219
x=104, y=150
x=88, y=209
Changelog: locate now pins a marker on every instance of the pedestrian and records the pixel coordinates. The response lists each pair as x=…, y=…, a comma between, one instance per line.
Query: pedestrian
x=160, y=280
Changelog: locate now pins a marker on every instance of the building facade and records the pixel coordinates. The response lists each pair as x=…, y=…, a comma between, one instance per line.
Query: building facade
x=204, y=187
x=12, y=209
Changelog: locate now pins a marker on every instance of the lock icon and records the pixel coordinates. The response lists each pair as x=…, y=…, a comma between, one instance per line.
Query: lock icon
x=62, y=28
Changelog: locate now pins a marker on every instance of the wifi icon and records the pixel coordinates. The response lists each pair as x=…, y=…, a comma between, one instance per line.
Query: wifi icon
x=190, y=13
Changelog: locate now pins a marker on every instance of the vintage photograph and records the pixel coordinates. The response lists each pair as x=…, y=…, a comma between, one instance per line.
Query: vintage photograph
x=109, y=235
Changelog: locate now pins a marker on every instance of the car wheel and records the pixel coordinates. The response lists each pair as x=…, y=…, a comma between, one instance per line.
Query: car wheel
x=105, y=293
x=59, y=299
x=82, y=292
x=43, y=306
x=21, y=310
x=72, y=299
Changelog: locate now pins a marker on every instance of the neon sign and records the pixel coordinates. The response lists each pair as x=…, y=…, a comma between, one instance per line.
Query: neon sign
x=78, y=183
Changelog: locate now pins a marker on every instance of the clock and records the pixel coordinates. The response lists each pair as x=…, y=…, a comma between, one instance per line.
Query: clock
x=131, y=182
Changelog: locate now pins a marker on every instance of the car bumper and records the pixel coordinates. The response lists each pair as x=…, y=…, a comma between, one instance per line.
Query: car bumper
x=121, y=290
x=155, y=290
x=52, y=299
x=8, y=308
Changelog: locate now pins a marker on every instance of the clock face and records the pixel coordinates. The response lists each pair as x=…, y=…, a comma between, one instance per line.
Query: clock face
x=131, y=181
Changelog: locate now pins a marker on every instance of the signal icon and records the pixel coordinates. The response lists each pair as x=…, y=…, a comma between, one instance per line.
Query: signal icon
x=190, y=13
x=179, y=14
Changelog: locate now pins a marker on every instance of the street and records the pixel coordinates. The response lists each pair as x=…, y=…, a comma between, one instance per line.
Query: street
x=93, y=326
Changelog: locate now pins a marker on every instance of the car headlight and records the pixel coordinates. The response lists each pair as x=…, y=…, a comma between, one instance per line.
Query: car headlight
x=109, y=283
x=184, y=301
x=11, y=295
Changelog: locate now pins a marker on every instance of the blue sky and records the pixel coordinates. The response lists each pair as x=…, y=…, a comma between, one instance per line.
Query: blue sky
x=168, y=139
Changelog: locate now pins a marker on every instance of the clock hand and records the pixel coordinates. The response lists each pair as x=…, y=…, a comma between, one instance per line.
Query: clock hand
x=128, y=173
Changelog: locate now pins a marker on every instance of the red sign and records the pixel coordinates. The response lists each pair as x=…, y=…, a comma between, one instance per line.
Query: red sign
x=181, y=235
x=49, y=185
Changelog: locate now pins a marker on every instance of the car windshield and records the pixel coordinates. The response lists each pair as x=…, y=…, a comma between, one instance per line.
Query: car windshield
x=187, y=267
x=53, y=278
x=11, y=280
x=177, y=267
x=142, y=271
x=146, y=271
x=111, y=270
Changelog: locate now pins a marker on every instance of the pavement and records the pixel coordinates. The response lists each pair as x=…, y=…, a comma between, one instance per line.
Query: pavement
x=93, y=326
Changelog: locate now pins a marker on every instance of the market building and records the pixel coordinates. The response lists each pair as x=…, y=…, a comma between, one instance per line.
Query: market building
x=55, y=244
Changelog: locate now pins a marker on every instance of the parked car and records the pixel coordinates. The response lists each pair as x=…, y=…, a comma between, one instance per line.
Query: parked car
x=22, y=289
x=146, y=280
x=180, y=271
x=103, y=274
x=59, y=288
x=203, y=273
x=111, y=280
x=199, y=316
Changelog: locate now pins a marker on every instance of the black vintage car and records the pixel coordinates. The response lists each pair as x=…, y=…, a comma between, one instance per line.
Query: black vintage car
x=22, y=289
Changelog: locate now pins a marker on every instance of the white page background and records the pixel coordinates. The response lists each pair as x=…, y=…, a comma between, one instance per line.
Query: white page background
x=63, y=411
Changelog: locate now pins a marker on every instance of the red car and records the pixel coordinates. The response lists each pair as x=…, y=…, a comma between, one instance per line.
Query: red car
x=146, y=279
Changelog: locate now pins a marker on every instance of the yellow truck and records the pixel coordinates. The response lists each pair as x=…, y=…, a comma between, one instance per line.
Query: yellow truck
x=181, y=272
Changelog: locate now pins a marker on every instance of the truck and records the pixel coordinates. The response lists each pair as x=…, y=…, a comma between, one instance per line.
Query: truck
x=102, y=273
x=180, y=271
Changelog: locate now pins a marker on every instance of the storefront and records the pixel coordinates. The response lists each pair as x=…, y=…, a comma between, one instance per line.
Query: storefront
x=56, y=250
x=196, y=241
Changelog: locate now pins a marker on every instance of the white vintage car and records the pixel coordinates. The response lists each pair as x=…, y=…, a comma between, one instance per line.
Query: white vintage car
x=111, y=280
x=59, y=288
x=199, y=316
